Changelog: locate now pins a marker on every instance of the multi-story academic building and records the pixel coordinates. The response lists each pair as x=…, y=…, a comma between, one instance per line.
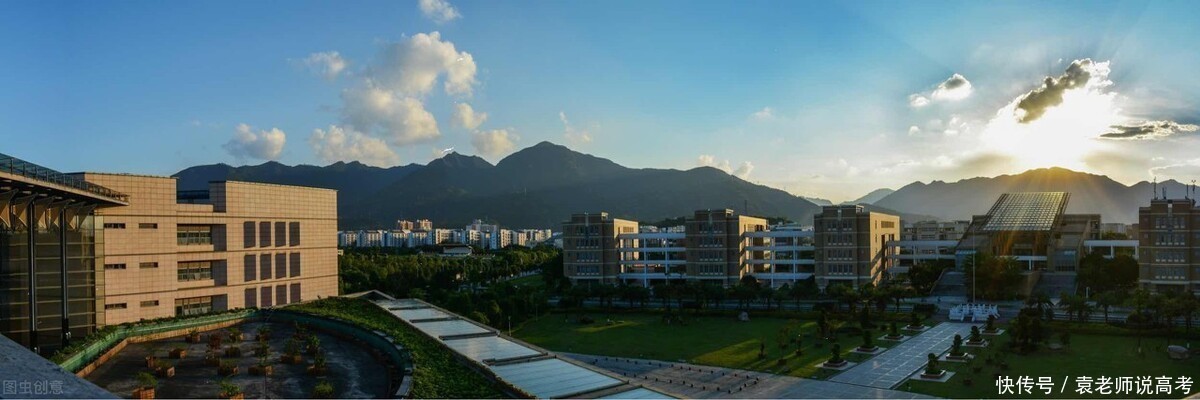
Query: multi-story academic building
x=852, y=245
x=590, y=247
x=81, y=251
x=1169, y=235
x=236, y=245
x=1033, y=228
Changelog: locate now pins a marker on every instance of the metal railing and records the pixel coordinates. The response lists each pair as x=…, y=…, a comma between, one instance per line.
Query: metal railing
x=27, y=169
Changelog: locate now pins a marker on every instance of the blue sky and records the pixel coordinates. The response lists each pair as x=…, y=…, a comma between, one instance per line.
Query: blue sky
x=820, y=99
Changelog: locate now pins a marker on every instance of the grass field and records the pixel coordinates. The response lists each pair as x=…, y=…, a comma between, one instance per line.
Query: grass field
x=1088, y=355
x=717, y=341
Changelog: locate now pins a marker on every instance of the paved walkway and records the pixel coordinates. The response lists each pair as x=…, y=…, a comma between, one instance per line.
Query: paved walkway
x=705, y=382
x=893, y=366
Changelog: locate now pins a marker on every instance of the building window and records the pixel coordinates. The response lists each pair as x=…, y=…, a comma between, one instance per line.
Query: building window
x=117, y=306
x=264, y=294
x=294, y=265
x=194, y=271
x=264, y=234
x=148, y=265
x=264, y=267
x=251, y=267
x=193, y=306
x=194, y=235
x=294, y=234
x=114, y=225
x=114, y=266
x=248, y=234
x=295, y=293
x=251, y=298
x=280, y=234
x=150, y=303
x=281, y=265
x=147, y=226
x=587, y=270
x=281, y=295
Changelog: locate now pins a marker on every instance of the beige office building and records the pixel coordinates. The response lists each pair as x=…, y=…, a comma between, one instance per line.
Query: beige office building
x=718, y=247
x=590, y=247
x=236, y=245
x=852, y=245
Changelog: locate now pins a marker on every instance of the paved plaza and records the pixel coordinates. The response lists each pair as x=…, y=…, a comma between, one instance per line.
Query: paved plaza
x=702, y=382
x=893, y=366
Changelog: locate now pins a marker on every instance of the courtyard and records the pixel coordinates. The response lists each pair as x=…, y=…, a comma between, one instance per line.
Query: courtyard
x=352, y=370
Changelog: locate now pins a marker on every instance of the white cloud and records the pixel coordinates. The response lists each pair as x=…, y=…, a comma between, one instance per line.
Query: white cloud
x=495, y=142
x=263, y=145
x=743, y=171
x=1183, y=172
x=341, y=144
x=917, y=101
x=466, y=117
x=763, y=114
x=914, y=130
x=573, y=135
x=413, y=66
x=439, y=11
x=400, y=119
x=326, y=64
x=954, y=88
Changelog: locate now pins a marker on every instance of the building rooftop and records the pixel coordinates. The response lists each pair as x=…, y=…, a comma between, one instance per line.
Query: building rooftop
x=1028, y=211
x=39, y=174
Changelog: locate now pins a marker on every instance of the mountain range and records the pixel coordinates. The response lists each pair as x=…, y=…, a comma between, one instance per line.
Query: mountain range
x=542, y=185
x=539, y=186
x=1090, y=194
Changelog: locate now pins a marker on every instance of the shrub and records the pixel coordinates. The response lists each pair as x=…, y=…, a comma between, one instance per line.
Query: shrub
x=147, y=380
x=323, y=390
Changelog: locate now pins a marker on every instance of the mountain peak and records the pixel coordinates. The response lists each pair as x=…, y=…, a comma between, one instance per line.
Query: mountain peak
x=456, y=160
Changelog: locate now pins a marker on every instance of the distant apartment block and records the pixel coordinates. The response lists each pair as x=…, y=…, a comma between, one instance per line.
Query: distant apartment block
x=235, y=245
x=1169, y=234
x=852, y=245
x=422, y=233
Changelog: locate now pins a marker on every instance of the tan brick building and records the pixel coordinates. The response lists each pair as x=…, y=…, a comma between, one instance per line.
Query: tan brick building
x=590, y=247
x=236, y=245
x=717, y=244
x=851, y=244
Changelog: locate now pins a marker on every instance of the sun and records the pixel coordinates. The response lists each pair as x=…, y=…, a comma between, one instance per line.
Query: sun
x=1062, y=137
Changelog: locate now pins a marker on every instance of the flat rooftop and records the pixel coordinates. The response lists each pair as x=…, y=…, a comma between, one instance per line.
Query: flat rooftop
x=1026, y=211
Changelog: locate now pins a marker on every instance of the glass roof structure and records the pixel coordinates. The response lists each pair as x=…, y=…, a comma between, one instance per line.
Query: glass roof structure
x=1033, y=211
x=531, y=370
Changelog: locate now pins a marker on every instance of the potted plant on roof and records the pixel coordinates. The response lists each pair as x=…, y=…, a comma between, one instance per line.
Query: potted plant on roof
x=319, y=368
x=323, y=390
x=230, y=391
x=236, y=335
x=147, y=383
x=893, y=333
x=312, y=345
x=263, y=368
x=990, y=328
x=868, y=346
x=164, y=369
x=227, y=368
x=262, y=349
x=179, y=352
x=956, y=351
x=835, y=359
x=976, y=338
x=291, y=352
x=151, y=360
x=931, y=368
x=193, y=336
x=211, y=357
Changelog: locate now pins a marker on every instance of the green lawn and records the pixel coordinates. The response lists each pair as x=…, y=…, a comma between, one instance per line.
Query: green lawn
x=1088, y=355
x=717, y=341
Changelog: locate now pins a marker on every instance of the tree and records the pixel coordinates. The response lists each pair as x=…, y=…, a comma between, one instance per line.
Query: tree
x=1105, y=301
x=923, y=275
x=996, y=278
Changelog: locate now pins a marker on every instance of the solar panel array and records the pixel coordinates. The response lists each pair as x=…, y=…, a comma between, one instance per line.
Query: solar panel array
x=1034, y=211
x=526, y=368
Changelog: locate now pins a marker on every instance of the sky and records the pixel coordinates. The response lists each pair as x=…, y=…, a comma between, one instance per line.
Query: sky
x=822, y=99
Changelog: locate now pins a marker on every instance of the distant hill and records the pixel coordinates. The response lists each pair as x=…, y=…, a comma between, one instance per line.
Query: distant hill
x=818, y=201
x=539, y=186
x=874, y=196
x=1090, y=193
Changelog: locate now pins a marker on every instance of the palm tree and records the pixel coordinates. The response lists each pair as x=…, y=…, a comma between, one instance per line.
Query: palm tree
x=1106, y=300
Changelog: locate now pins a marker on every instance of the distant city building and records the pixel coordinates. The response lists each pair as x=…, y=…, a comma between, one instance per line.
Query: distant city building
x=852, y=245
x=934, y=230
x=424, y=225
x=422, y=233
x=404, y=225
x=1169, y=234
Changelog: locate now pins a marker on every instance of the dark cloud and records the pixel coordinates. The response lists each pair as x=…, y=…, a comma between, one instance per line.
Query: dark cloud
x=1036, y=102
x=1149, y=130
x=956, y=81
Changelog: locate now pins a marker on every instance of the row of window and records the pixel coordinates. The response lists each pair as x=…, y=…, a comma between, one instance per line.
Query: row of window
x=587, y=270
x=839, y=269
x=143, y=265
x=194, y=271
x=1170, y=256
x=268, y=296
x=260, y=267
x=121, y=225
x=188, y=235
x=285, y=234
x=839, y=254
x=1170, y=273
